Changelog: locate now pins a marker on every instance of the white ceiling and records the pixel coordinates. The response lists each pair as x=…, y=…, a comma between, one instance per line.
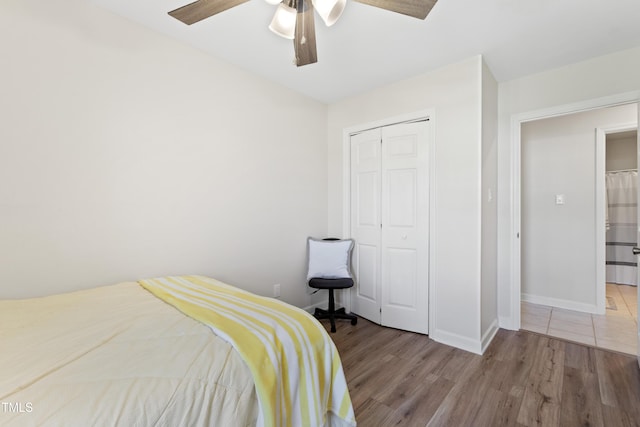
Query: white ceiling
x=369, y=47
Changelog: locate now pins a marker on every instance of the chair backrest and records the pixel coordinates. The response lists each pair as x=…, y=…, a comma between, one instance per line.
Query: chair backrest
x=329, y=258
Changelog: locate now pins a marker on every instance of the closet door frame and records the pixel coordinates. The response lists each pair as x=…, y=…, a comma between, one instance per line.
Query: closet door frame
x=429, y=115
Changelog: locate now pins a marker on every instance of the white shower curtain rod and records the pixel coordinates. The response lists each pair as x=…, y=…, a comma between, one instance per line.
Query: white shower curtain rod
x=624, y=170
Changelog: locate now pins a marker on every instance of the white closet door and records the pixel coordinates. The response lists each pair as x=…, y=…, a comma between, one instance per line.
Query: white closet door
x=390, y=225
x=405, y=227
x=365, y=223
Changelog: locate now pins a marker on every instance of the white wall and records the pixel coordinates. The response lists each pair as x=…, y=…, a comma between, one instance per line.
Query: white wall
x=604, y=76
x=559, y=241
x=124, y=154
x=454, y=92
x=489, y=258
x=622, y=153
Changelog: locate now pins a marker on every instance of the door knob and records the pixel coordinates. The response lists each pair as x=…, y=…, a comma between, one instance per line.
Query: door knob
x=636, y=251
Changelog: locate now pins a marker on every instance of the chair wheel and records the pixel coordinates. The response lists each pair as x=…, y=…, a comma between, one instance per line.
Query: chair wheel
x=354, y=321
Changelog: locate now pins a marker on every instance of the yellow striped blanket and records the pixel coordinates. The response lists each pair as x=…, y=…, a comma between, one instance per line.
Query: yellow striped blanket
x=295, y=365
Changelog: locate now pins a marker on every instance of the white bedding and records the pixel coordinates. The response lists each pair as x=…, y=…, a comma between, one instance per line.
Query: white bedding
x=116, y=355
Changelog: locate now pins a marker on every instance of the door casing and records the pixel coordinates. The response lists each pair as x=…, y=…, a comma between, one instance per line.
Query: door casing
x=513, y=320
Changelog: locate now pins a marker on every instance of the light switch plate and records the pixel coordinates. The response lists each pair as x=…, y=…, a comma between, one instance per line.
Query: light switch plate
x=559, y=199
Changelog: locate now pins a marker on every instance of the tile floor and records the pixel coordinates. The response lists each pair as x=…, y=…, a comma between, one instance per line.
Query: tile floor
x=616, y=330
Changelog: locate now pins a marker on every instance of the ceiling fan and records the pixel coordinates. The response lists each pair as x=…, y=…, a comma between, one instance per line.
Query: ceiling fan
x=294, y=19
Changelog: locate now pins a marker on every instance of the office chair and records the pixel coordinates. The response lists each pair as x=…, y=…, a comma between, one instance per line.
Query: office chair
x=329, y=268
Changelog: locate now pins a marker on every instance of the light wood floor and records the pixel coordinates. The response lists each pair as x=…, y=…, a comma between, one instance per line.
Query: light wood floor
x=399, y=378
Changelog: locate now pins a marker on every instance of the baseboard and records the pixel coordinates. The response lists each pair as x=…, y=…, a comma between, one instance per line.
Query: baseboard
x=488, y=335
x=311, y=308
x=560, y=303
x=466, y=343
x=455, y=340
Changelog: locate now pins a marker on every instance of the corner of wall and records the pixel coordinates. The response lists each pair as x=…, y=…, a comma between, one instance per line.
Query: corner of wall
x=489, y=209
x=456, y=340
x=488, y=335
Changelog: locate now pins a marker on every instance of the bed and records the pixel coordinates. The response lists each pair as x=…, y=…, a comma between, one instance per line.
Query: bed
x=145, y=354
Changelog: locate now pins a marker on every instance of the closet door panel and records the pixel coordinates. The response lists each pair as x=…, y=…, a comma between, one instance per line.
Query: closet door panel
x=405, y=219
x=367, y=199
x=365, y=223
x=402, y=277
x=402, y=197
x=367, y=272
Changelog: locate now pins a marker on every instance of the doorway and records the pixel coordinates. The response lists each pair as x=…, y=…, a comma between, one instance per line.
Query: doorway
x=563, y=225
x=621, y=188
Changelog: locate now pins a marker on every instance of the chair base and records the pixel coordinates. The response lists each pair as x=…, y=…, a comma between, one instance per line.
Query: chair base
x=332, y=315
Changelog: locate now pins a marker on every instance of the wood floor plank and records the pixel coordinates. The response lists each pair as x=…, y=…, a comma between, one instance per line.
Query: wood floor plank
x=518, y=354
x=542, y=396
x=423, y=402
x=474, y=380
x=488, y=411
x=615, y=418
x=580, y=399
x=373, y=413
x=403, y=379
x=580, y=357
x=508, y=408
x=432, y=359
x=387, y=371
x=619, y=382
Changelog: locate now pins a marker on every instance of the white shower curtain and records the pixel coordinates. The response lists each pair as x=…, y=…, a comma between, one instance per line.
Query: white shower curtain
x=622, y=209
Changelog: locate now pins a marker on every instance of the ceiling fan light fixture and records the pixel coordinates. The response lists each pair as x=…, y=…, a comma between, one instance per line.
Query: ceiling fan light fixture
x=284, y=22
x=294, y=19
x=329, y=10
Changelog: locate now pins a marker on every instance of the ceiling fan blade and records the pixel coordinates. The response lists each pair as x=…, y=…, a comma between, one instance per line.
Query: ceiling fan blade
x=304, y=41
x=202, y=9
x=416, y=8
